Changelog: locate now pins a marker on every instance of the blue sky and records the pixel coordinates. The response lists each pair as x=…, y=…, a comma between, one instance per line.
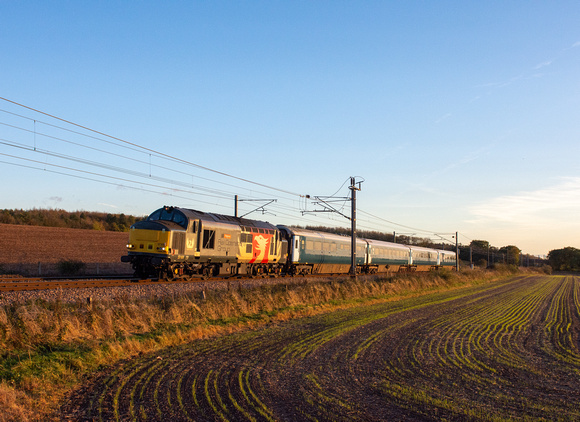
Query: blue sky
x=459, y=116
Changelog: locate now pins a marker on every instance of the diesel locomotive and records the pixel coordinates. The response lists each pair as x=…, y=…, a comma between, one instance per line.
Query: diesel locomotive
x=175, y=242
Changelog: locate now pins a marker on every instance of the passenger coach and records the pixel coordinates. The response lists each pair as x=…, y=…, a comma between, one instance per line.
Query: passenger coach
x=311, y=252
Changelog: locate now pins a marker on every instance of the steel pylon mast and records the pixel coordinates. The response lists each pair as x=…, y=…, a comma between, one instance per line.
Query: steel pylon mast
x=353, y=190
x=327, y=207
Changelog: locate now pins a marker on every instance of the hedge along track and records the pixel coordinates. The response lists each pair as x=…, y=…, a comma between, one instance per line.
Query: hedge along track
x=497, y=352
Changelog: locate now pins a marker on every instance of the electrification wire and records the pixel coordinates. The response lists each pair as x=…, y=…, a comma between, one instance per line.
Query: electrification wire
x=123, y=170
x=106, y=152
x=119, y=180
x=151, y=150
x=98, y=174
x=109, y=167
x=135, y=147
x=164, y=193
x=36, y=133
x=400, y=225
x=143, y=150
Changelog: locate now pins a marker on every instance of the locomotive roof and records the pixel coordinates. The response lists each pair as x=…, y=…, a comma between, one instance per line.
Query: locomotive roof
x=227, y=219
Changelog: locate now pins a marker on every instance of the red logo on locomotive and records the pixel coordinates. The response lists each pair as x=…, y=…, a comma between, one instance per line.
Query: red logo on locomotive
x=261, y=247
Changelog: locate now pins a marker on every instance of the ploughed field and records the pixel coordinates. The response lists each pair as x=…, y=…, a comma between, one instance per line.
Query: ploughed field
x=36, y=250
x=501, y=351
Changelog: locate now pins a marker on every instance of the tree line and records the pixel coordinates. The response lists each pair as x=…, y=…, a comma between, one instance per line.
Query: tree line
x=74, y=220
x=565, y=259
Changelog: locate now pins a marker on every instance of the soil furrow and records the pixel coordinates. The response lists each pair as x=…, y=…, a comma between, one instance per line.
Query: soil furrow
x=498, y=352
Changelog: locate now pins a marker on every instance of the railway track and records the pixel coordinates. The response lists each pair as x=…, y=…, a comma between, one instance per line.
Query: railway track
x=14, y=284
x=26, y=284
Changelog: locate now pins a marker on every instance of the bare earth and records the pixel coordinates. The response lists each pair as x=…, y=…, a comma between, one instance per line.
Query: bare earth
x=24, y=247
x=503, y=351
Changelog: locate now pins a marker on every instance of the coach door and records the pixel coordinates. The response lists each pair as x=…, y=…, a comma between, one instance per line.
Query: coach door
x=295, y=248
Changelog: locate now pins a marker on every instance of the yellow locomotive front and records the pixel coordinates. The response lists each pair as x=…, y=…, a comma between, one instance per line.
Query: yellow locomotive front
x=157, y=242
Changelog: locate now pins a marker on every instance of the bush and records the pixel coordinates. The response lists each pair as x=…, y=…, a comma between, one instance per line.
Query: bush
x=505, y=268
x=70, y=267
x=482, y=263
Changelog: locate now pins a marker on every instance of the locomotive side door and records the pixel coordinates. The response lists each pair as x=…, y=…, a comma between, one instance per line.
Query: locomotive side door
x=193, y=240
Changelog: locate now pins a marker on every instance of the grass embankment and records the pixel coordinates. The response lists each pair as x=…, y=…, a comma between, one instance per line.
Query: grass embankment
x=48, y=348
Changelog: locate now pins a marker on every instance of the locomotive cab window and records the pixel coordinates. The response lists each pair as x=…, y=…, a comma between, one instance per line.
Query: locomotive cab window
x=208, y=239
x=169, y=214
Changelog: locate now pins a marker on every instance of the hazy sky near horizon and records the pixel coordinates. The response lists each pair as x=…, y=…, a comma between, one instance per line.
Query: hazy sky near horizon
x=459, y=116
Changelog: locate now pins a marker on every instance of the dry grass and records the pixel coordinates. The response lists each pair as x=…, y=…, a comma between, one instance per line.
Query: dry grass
x=11, y=404
x=49, y=347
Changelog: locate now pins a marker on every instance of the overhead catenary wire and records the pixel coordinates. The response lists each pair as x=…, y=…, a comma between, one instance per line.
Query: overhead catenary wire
x=135, y=160
x=151, y=150
x=121, y=182
x=123, y=170
x=282, y=208
x=119, y=169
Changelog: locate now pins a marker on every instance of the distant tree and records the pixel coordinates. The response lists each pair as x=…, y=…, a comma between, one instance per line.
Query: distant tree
x=73, y=220
x=480, y=245
x=566, y=259
x=512, y=254
x=479, y=252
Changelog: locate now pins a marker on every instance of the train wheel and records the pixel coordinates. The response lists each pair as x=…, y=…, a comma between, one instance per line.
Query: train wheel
x=140, y=274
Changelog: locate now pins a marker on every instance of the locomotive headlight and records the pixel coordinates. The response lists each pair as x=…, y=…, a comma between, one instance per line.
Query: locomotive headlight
x=161, y=248
x=130, y=246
